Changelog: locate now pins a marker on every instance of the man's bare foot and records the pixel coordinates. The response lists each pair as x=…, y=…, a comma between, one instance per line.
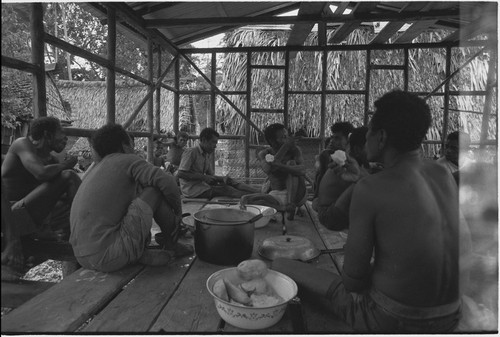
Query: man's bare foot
x=153, y=257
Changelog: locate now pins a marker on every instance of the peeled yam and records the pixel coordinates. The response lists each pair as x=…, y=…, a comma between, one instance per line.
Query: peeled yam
x=252, y=269
x=256, y=286
x=236, y=293
x=264, y=301
x=220, y=291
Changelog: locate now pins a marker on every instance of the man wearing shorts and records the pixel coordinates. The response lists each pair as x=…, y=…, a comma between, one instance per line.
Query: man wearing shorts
x=113, y=210
x=406, y=217
x=283, y=164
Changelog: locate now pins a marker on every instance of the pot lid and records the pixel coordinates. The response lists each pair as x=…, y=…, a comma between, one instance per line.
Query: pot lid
x=223, y=216
x=287, y=246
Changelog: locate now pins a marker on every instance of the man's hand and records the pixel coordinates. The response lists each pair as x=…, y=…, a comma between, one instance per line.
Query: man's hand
x=211, y=180
x=352, y=171
x=70, y=161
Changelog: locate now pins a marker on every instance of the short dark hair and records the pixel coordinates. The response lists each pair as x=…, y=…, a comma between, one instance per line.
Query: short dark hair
x=357, y=138
x=405, y=117
x=208, y=133
x=343, y=127
x=271, y=130
x=42, y=124
x=110, y=139
x=182, y=134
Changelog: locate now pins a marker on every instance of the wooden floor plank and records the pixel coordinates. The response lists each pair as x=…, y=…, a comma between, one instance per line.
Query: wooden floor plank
x=16, y=293
x=145, y=296
x=67, y=305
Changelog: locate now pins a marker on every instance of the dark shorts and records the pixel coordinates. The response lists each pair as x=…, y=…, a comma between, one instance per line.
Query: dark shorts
x=375, y=312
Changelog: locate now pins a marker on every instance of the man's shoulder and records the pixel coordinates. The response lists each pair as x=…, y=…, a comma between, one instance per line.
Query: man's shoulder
x=21, y=142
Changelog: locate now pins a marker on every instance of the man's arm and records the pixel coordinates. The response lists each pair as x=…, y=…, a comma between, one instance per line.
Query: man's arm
x=361, y=239
x=33, y=164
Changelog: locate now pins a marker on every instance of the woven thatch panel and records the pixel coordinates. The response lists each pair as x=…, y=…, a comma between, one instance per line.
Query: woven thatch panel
x=88, y=104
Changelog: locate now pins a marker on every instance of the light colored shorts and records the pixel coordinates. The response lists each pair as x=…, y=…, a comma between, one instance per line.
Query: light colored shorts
x=281, y=196
x=129, y=243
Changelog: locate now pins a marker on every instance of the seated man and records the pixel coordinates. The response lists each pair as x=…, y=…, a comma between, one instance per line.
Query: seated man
x=456, y=151
x=335, y=189
x=197, y=172
x=282, y=162
x=407, y=218
x=34, y=179
x=113, y=210
x=174, y=154
x=338, y=141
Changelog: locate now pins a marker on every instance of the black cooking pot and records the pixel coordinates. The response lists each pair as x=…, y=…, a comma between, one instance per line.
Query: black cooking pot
x=224, y=236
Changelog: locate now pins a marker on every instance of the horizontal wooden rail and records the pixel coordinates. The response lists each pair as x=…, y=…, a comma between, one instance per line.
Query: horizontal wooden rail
x=77, y=132
x=386, y=67
x=19, y=65
x=280, y=111
x=266, y=66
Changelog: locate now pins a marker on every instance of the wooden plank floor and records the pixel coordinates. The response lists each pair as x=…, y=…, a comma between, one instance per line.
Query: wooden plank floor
x=61, y=308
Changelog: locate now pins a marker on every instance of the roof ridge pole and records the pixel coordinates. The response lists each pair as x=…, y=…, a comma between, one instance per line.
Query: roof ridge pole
x=37, y=58
x=111, y=74
x=490, y=83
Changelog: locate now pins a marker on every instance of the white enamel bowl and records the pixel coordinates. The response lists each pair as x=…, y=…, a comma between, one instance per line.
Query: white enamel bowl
x=249, y=317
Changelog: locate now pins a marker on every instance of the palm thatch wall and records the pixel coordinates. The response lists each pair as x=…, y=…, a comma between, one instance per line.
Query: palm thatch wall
x=346, y=71
x=88, y=107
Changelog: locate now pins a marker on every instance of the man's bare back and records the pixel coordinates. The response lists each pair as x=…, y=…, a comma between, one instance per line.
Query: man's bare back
x=412, y=210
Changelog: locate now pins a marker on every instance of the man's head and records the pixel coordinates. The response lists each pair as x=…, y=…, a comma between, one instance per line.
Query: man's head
x=208, y=139
x=456, y=142
x=400, y=121
x=356, y=146
x=50, y=130
x=275, y=134
x=181, y=139
x=340, y=134
x=111, y=138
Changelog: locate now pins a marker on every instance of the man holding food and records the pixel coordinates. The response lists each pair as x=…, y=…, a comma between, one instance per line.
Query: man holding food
x=406, y=217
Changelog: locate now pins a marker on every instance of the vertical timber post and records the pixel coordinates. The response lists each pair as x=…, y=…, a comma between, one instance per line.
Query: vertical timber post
x=286, y=84
x=158, y=96
x=406, y=67
x=367, y=86
x=249, y=114
x=150, y=101
x=488, y=100
x=323, y=98
x=446, y=111
x=37, y=58
x=213, y=97
x=176, y=96
x=111, y=76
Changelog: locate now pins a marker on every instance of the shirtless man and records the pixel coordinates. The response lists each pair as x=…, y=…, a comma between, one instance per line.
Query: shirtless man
x=283, y=163
x=33, y=178
x=113, y=210
x=407, y=218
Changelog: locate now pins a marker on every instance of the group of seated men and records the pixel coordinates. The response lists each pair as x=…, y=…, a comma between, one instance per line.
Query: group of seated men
x=401, y=271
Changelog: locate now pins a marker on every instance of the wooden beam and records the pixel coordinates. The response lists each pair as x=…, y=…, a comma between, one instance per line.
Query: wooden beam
x=19, y=65
x=150, y=112
x=37, y=59
x=301, y=31
x=446, y=98
x=488, y=100
x=348, y=27
x=176, y=95
x=148, y=95
x=110, y=76
x=158, y=96
x=365, y=16
x=213, y=96
x=393, y=27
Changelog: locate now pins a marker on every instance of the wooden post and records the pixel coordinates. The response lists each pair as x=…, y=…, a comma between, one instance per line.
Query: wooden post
x=176, y=96
x=367, y=86
x=158, y=95
x=446, y=110
x=150, y=101
x=37, y=58
x=213, y=97
x=406, y=71
x=286, y=89
x=248, y=114
x=323, y=97
x=488, y=99
x=111, y=75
